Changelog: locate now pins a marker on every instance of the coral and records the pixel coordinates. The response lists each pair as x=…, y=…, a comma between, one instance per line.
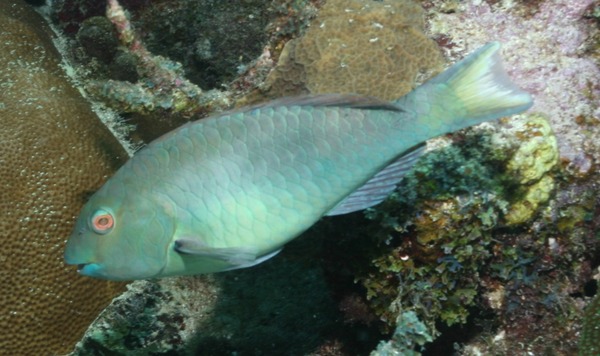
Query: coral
x=162, y=95
x=69, y=14
x=434, y=265
x=150, y=318
x=538, y=152
x=293, y=19
x=54, y=152
x=161, y=76
x=449, y=245
x=123, y=67
x=536, y=156
x=172, y=50
x=550, y=48
x=535, y=194
x=488, y=234
x=374, y=47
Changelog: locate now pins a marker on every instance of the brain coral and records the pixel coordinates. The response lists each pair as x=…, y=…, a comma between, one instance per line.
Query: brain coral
x=54, y=151
x=367, y=47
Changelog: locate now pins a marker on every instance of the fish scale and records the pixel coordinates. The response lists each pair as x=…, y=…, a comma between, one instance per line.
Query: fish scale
x=231, y=190
x=290, y=174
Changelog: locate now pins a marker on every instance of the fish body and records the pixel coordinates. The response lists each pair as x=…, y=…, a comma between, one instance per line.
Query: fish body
x=230, y=191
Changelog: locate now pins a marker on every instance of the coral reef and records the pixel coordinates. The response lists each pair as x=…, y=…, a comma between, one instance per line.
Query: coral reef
x=54, y=152
x=486, y=247
x=364, y=47
x=460, y=252
x=150, y=317
x=121, y=314
x=191, y=33
x=548, y=45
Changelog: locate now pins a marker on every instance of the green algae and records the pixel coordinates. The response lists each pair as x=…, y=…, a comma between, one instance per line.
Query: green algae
x=410, y=333
x=441, y=226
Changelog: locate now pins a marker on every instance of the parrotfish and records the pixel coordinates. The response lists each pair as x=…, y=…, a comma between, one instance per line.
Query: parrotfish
x=231, y=190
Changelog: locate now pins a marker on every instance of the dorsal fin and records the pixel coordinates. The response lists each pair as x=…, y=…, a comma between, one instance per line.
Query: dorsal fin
x=341, y=100
x=380, y=186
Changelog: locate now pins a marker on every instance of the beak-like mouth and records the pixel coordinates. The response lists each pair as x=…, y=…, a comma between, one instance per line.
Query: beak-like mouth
x=90, y=270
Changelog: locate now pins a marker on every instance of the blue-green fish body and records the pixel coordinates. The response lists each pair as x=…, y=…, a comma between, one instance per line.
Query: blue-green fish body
x=229, y=191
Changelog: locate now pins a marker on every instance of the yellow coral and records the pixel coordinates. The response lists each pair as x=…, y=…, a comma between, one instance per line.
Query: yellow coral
x=538, y=152
x=530, y=164
x=372, y=48
x=537, y=193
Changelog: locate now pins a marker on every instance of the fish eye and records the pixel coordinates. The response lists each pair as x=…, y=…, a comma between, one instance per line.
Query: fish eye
x=102, y=221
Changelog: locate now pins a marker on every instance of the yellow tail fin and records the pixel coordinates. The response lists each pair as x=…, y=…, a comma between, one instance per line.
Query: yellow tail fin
x=482, y=87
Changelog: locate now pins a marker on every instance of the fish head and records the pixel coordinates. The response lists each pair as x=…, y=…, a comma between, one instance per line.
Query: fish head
x=121, y=236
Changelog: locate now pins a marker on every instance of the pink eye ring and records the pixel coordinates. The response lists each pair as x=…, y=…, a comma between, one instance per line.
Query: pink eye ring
x=102, y=221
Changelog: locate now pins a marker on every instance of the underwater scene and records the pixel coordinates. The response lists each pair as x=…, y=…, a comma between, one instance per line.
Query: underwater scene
x=300, y=177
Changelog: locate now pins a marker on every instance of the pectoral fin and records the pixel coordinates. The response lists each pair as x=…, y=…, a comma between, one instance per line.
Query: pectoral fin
x=380, y=186
x=237, y=257
x=258, y=260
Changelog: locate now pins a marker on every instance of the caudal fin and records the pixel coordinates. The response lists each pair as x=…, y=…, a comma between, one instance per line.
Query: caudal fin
x=482, y=87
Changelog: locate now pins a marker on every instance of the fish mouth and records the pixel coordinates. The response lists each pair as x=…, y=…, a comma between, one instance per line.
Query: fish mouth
x=89, y=269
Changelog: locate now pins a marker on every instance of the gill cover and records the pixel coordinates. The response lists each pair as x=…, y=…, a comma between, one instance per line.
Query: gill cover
x=121, y=240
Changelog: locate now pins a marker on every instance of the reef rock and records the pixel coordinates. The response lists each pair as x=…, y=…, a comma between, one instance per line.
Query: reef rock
x=281, y=306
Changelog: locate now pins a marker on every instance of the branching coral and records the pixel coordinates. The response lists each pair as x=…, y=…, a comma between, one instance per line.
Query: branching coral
x=162, y=87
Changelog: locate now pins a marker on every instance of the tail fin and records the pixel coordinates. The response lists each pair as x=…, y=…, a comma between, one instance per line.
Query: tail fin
x=479, y=90
x=483, y=86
